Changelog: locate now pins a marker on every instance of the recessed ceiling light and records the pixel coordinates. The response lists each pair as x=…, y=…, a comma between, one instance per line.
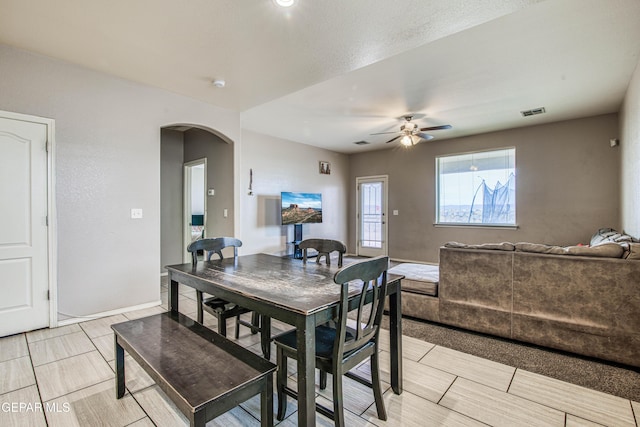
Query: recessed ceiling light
x=284, y=3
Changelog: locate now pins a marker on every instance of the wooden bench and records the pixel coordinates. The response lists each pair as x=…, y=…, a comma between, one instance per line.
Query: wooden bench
x=202, y=372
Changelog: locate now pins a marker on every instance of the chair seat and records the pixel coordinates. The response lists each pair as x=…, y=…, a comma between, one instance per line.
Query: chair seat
x=218, y=303
x=221, y=306
x=325, y=338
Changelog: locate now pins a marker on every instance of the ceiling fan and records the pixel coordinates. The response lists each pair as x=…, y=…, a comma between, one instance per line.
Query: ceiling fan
x=411, y=134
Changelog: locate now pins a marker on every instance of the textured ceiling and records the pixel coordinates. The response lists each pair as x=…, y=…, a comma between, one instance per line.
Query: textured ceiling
x=329, y=73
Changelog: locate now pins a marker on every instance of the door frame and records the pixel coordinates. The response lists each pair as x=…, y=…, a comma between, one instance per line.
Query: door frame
x=52, y=219
x=186, y=218
x=385, y=210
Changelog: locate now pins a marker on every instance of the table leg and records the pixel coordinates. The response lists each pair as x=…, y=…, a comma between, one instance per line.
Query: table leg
x=119, y=368
x=395, y=331
x=265, y=336
x=173, y=294
x=306, y=339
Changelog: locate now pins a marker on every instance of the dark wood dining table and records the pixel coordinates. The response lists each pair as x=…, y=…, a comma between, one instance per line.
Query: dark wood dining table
x=302, y=295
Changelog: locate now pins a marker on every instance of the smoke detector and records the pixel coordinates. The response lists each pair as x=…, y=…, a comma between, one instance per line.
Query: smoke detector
x=219, y=83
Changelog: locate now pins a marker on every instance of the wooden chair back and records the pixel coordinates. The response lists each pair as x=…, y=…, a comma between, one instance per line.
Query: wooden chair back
x=213, y=246
x=324, y=248
x=372, y=274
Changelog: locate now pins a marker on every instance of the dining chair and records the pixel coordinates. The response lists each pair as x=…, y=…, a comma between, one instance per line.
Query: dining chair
x=339, y=348
x=324, y=248
x=213, y=305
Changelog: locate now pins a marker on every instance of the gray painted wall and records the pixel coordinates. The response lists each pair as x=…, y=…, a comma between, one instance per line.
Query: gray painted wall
x=107, y=150
x=171, y=199
x=200, y=144
x=630, y=148
x=567, y=187
x=181, y=147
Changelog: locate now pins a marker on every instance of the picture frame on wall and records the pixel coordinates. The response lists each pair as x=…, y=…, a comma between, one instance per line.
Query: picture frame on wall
x=325, y=168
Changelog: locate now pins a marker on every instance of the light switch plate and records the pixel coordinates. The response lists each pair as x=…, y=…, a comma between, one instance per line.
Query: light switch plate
x=395, y=212
x=136, y=213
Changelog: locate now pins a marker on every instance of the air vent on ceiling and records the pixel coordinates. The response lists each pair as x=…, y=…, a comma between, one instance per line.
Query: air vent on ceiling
x=362, y=143
x=532, y=112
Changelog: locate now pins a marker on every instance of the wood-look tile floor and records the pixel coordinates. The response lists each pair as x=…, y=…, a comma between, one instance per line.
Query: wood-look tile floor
x=65, y=377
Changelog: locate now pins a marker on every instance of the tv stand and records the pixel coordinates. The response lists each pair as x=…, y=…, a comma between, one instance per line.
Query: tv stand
x=297, y=238
x=297, y=252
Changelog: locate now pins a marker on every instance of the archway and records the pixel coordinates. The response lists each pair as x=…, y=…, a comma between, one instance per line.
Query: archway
x=181, y=144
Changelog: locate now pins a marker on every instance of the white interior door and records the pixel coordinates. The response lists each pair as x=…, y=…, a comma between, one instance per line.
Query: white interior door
x=24, y=268
x=372, y=215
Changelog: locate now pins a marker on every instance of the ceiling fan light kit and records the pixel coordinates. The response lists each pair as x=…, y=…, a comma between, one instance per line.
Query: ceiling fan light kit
x=284, y=3
x=406, y=140
x=410, y=134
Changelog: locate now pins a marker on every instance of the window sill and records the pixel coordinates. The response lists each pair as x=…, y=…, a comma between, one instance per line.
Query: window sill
x=487, y=226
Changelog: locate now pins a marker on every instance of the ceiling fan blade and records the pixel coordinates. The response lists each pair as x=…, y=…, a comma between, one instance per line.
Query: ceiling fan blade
x=393, y=139
x=436, y=127
x=425, y=136
x=383, y=133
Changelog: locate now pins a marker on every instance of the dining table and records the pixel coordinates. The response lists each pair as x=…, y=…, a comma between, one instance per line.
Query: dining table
x=303, y=295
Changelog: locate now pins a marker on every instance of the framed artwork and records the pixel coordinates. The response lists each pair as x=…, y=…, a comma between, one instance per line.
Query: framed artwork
x=325, y=168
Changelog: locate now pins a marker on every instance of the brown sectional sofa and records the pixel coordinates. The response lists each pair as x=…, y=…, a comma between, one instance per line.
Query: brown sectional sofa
x=588, y=305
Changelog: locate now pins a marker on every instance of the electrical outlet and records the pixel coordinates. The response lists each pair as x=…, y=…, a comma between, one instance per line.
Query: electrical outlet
x=136, y=213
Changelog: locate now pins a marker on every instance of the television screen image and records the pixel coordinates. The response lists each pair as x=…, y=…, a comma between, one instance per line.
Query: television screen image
x=301, y=208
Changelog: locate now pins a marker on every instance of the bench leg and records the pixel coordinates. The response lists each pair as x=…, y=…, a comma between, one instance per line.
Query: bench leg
x=199, y=419
x=266, y=402
x=119, y=368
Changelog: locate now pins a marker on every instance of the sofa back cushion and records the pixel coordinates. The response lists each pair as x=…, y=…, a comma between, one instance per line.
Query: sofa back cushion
x=504, y=246
x=605, y=250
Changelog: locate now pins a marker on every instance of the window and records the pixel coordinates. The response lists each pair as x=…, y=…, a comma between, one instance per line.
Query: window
x=477, y=188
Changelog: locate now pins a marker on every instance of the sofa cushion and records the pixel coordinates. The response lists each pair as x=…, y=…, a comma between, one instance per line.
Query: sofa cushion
x=634, y=251
x=539, y=248
x=606, y=250
x=504, y=246
x=418, y=278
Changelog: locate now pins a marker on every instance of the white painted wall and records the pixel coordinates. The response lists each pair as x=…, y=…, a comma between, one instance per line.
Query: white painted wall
x=630, y=148
x=280, y=165
x=108, y=161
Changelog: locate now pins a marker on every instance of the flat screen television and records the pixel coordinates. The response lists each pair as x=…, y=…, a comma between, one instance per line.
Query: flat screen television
x=301, y=208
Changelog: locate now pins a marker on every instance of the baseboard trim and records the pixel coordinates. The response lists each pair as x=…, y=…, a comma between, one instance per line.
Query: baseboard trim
x=79, y=319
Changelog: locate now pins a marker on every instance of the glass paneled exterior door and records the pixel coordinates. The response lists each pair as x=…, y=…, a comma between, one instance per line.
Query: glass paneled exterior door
x=372, y=214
